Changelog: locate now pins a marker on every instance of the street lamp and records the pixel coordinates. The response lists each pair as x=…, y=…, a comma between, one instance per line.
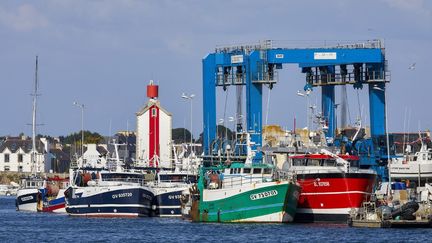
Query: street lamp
x=220, y=121
x=82, y=127
x=306, y=94
x=189, y=97
x=387, y=138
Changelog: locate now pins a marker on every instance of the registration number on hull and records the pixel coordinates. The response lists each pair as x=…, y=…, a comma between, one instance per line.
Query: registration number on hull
x=262, y=195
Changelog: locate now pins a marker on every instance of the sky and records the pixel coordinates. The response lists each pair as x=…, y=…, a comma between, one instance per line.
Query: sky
x=103, y=53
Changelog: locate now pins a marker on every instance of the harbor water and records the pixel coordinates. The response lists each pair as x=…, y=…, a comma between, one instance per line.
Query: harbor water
x=47, y=227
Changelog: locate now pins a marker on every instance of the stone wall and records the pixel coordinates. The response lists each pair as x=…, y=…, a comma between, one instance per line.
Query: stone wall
x=8, y=177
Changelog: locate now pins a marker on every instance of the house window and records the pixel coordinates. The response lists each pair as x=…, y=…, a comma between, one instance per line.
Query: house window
x=7, y=168
x=6, y=158
x=153, y=112
x=20, y=158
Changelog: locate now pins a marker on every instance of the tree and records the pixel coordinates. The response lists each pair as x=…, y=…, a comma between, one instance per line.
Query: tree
x=181, y=135
x=89, y=137
x=222, y=132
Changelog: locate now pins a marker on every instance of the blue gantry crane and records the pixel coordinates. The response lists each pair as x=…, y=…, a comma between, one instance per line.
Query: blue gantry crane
x=358, y=64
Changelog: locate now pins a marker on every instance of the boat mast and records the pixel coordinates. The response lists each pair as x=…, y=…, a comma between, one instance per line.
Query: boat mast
x=35, y=94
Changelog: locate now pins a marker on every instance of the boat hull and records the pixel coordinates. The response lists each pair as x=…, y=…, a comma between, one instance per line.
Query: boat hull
x=166, y=202
x=26, y=199
x=52, y=204
x=270, y=202
x=411, y=171
x=329, y=197
x=113, y=201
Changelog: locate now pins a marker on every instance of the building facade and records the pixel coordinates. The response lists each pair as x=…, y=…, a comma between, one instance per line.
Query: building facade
x=16, y=155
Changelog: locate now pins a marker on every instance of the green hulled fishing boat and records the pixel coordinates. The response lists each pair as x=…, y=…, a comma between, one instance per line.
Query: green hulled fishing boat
x=243, y=192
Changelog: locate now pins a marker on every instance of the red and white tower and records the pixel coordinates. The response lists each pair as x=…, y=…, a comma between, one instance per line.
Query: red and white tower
x=154, y=126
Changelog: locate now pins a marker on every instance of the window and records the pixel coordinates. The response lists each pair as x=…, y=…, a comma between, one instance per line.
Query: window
x=354, y=163
x=329, y=162
x=299, y=162
x=20, y=158
x=246, y=170
x=6, y=158
x=313, y=162
x=153, y=112
x=267, y=171
x=256, y=171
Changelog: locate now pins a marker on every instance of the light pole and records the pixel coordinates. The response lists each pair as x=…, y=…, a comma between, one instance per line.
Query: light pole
x=220, y=121
x=306, y=95
x=190, y=98
x=82, y=127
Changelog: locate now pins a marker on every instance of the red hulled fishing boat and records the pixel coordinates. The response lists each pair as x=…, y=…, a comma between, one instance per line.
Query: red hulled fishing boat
x=332, y=186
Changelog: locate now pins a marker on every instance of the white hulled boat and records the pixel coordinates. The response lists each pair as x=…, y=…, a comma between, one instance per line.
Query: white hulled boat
x=27, y=195
x=417, y=166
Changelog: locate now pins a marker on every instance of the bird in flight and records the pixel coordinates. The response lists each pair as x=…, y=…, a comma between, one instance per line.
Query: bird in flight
x=412, y=66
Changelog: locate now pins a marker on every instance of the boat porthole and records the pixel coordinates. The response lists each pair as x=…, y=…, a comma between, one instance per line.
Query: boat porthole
x=115, y=210
x=172, y=211
x=98, y=210
x=322, y=204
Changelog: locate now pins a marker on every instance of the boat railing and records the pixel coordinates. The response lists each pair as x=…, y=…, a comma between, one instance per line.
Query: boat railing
x=239, y=180
x=171, y=184
x=318, y=171
x=122, y=181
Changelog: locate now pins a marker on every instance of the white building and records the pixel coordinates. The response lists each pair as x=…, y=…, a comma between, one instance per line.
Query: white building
x=16, y=155
x=153, y=137
x=94, y=156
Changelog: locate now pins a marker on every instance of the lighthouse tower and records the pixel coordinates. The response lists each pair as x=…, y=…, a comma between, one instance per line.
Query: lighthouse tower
x=154, y=124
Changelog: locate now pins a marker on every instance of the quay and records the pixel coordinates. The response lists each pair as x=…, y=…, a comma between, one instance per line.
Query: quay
x=392, y=223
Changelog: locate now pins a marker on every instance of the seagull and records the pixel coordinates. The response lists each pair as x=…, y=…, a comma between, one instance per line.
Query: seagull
x=412, y=66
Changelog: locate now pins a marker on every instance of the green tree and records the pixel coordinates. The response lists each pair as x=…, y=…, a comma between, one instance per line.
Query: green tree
x=89, y=137
x=181, y=135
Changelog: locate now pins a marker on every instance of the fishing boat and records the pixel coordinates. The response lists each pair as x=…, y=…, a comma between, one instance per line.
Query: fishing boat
x=51, y=197
x=168, y=188
x=332, y=185
x=233, y=189
x=102, y=193
x=243, y=192
x=97, y=192
x=415, y=167
x=27, y=195
x=169, y=184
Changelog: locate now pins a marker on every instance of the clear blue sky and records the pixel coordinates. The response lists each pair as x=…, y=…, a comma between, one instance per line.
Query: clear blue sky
x=102, y=54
